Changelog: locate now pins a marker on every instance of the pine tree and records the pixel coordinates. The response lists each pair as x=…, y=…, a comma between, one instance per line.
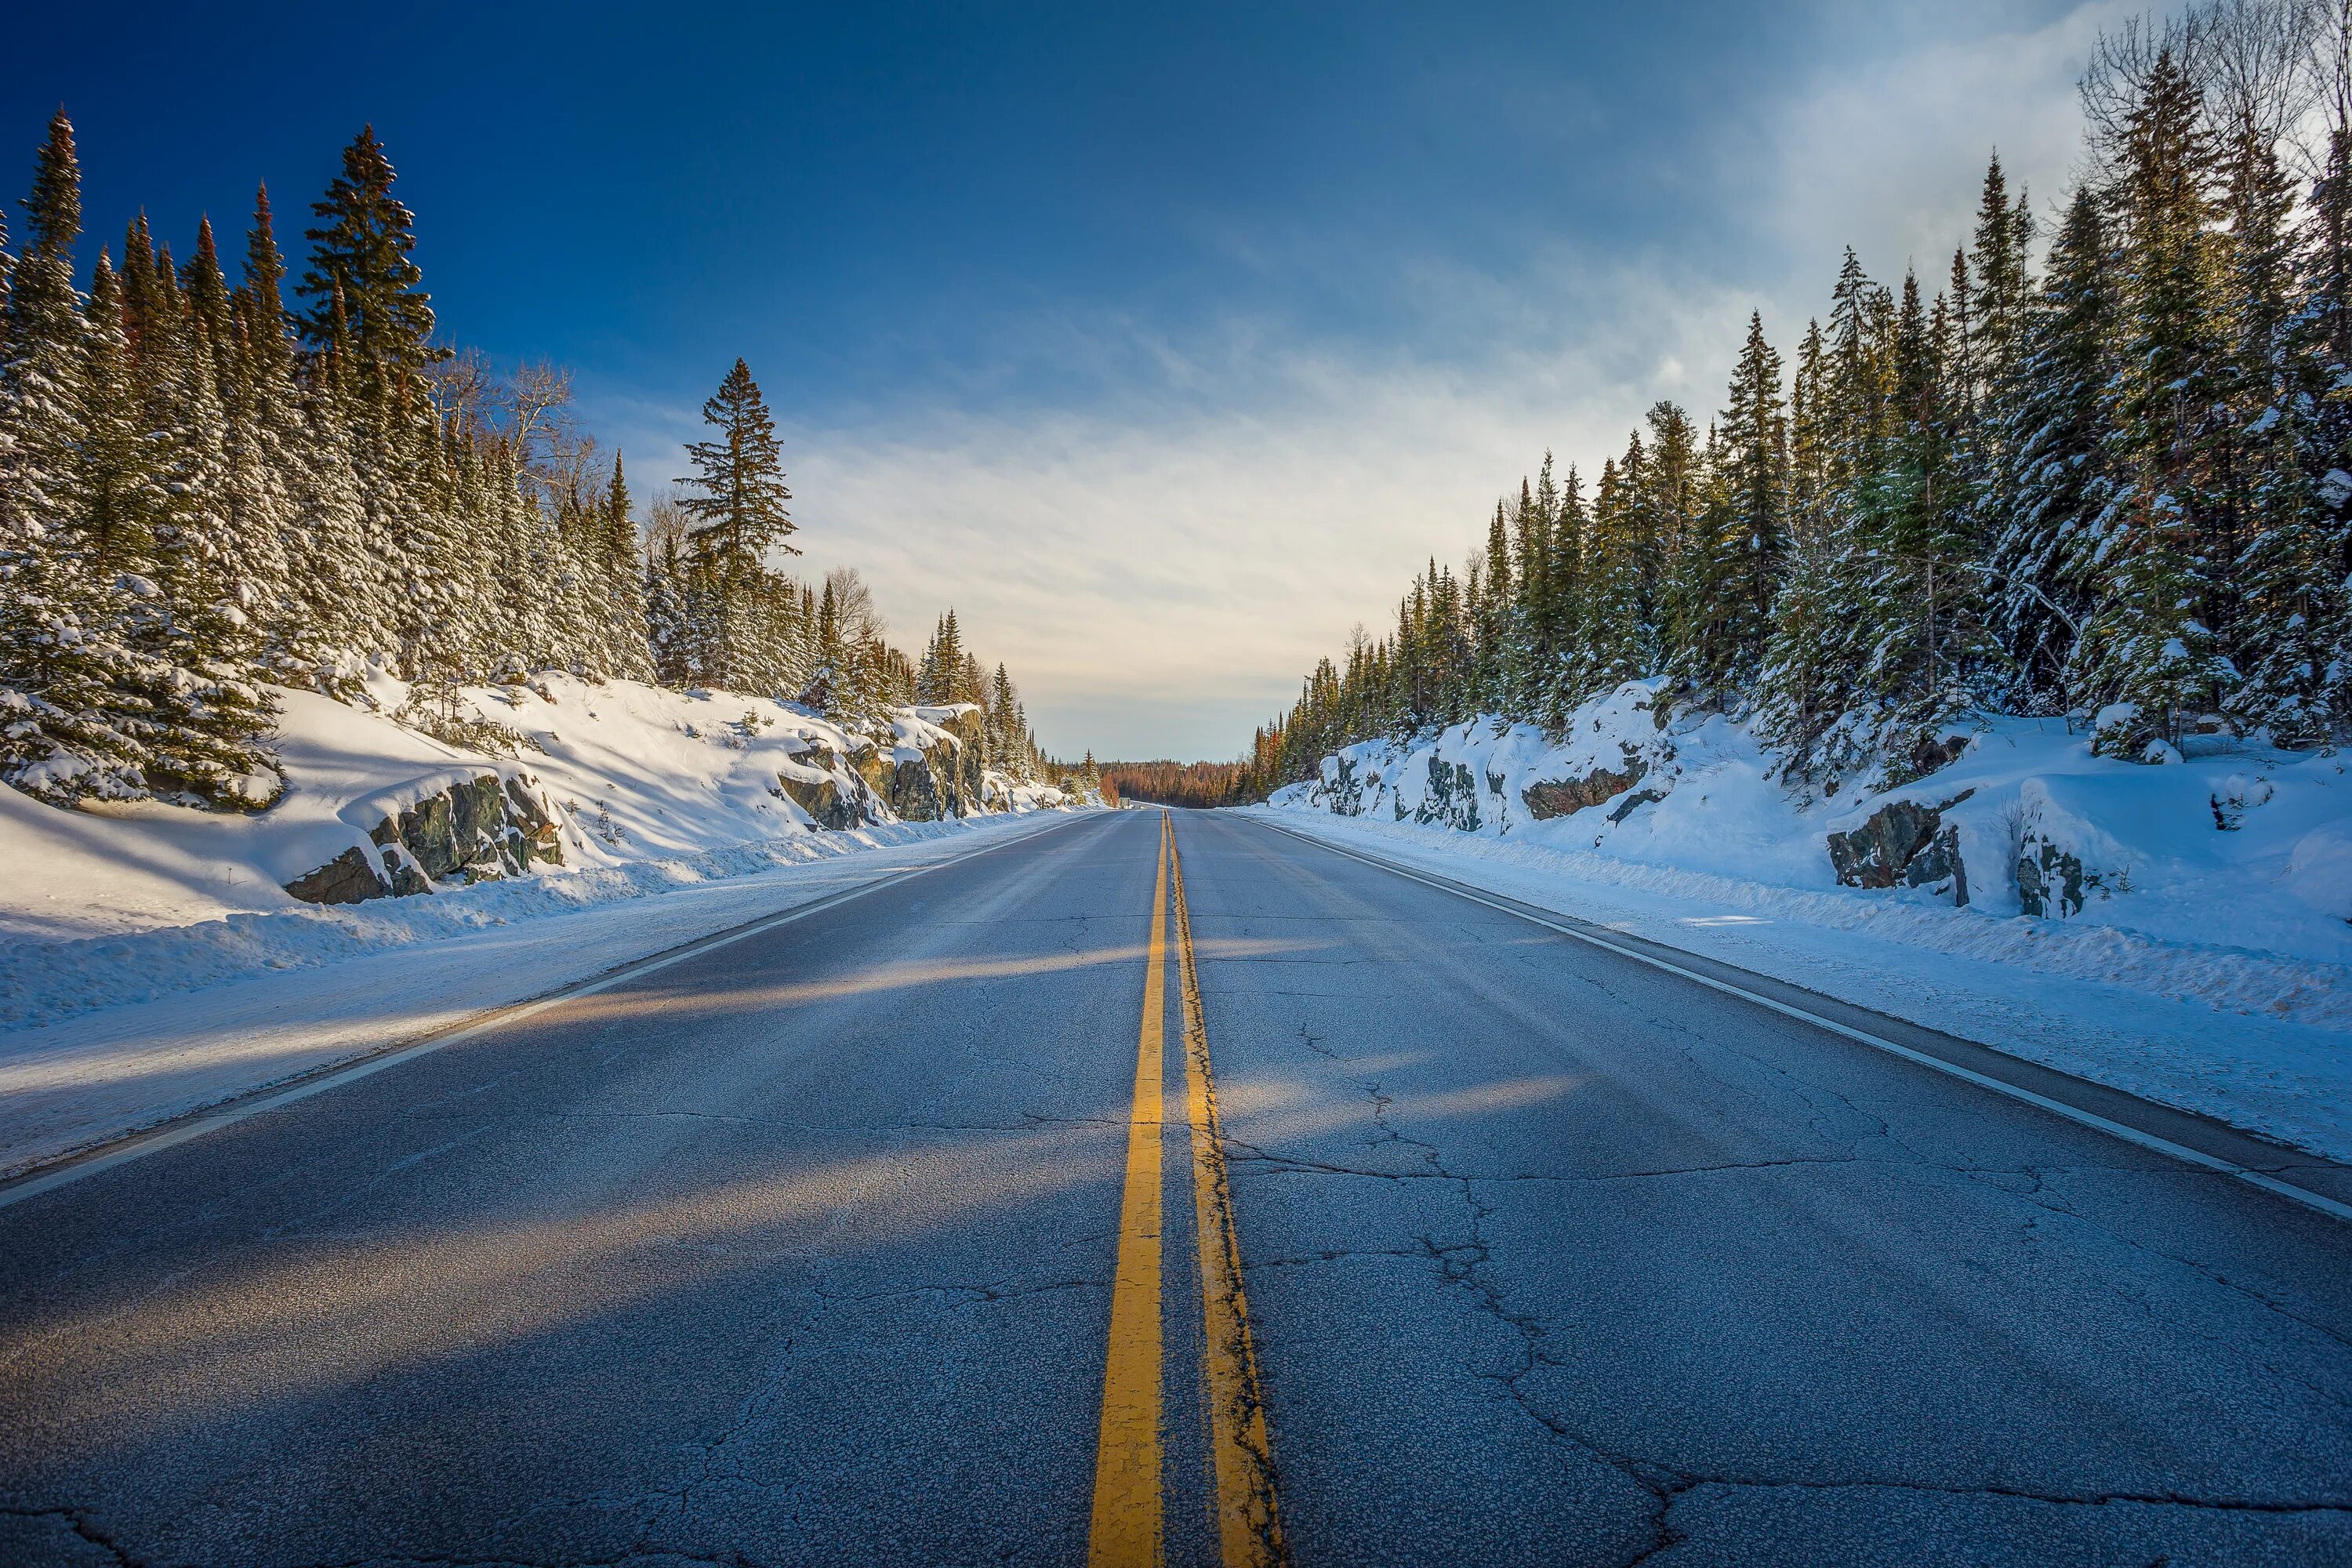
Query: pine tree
x=2268, y=614
x=1921, y=591
x=368, y=293
x=2326, y=272
x=1568, y=619
x=2151, y=655
x=1497, y=623
x=740, y=502
x=1797, y=689
x=1616, y=646
x=740, y=477
x=2054, y=490
x=621, y=574
x=1756, y=450
x=62, y=730
x=2003, y=293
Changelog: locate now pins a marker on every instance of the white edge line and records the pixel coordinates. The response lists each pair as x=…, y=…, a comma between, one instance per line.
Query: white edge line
x=2316, y=1201
x=137, y=1145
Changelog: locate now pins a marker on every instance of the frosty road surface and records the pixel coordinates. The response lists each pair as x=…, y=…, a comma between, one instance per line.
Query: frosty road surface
x=804, y=1250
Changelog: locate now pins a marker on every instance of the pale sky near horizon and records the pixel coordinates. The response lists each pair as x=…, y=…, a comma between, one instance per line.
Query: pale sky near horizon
x=1165, y=347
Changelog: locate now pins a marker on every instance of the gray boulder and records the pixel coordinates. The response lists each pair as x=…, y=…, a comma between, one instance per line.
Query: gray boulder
x=1903, y=843
x=352, y=877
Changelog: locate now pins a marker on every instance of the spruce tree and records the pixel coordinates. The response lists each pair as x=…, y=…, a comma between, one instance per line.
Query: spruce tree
x=2268, y=611
x=739, y=475
x=2052, y=495
x=367, y=291
x=739, y=498
x=622, y=571
x=2152, y=657
x=1756, y=451
x=63, y=730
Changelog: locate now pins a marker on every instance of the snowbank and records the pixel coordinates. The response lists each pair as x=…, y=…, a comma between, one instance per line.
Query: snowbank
x=2192, y=943
x=647, y=790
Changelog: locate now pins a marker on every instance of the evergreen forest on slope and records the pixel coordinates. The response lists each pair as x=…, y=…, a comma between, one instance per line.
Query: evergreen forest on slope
x=2109, y=477
x=207, y=490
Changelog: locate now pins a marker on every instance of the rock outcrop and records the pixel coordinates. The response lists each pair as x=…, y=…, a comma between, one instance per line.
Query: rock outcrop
x=2051, y=880
x=481, y=829
x=1558, y=797
x=350, y=878
x=1452, y=797
x=828, y=785
x=935, y=770
x=1903, y=843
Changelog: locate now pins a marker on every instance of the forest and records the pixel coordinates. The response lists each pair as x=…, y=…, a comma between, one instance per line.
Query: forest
x=2101, y=468
x=1170, y=782
x=208, y=490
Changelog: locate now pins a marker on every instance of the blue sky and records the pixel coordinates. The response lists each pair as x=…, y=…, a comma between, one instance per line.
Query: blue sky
x=1163, y=341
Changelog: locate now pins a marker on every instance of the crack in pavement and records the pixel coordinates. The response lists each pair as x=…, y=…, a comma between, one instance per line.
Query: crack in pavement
x=1685, y=1483
x=79, y=1520
x=1289, y=1164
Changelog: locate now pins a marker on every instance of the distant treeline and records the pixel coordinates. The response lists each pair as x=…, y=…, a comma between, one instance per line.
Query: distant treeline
x=1169, y=783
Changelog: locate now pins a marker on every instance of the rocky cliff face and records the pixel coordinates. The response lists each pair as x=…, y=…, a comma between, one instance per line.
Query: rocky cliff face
x=933, y=770
x=481, y=830
x=828, y=785
x=1549, y=798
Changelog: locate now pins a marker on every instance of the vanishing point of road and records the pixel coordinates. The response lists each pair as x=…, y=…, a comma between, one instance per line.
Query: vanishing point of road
x=1167, y=1188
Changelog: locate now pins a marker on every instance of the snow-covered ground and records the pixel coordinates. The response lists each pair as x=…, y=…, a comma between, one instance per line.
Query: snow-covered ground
x=152, y=961
x=2209, y=965
x=633, y=772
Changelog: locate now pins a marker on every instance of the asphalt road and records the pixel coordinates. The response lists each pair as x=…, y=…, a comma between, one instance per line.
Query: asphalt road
x=803, y=1250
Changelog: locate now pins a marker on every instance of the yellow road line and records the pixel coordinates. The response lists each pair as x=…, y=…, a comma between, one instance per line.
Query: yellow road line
x=1126, y=1532
x=1249, y=1521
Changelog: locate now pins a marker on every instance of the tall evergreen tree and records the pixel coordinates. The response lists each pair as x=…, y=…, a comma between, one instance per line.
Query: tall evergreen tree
x=739, y=480
x=2054, y=490
x=367, y=291
x=2152, y=656
x=1756, y=468
x=63, y=733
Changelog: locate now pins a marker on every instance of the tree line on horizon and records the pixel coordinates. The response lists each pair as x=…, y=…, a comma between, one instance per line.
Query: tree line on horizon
x=207, y=492
x=1166, y=781
x=2116, y=487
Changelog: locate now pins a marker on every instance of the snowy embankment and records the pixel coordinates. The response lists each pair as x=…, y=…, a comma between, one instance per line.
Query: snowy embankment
x=153, y=960
x=2192, y=945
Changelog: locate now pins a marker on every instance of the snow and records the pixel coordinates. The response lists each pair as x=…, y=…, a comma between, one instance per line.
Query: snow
x=635, y=772
x=2209, y=966
x=151, y=962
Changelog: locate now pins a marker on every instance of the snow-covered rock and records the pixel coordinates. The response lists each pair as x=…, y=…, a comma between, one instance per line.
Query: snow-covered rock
x=548, y=774
x=2182, y=932
x=2237, y=845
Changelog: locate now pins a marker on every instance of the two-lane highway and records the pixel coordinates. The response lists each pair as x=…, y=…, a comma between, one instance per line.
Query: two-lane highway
x=864, y=1239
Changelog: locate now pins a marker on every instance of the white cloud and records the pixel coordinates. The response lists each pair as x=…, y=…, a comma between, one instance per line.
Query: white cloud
x=1886, y=152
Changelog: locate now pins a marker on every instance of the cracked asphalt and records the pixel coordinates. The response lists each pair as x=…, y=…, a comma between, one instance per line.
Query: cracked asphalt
x=800, y=1252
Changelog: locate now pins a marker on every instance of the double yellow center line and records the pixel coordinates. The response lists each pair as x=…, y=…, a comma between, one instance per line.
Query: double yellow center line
x=1128, y=1529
